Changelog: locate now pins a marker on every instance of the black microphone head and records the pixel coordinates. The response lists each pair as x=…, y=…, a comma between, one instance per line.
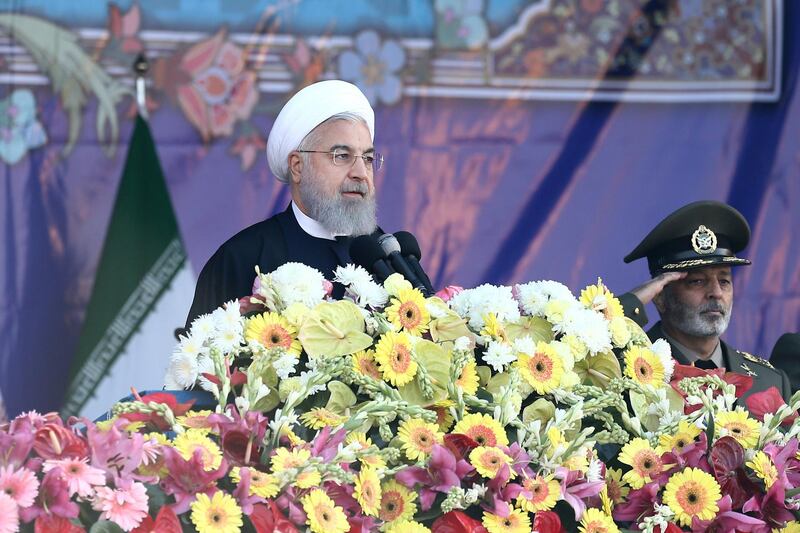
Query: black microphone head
x=389, y=243
x=365, y=251
x=408, y=244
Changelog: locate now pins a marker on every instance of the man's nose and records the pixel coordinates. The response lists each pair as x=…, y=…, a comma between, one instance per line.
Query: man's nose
x=714, y=290
x=359, y=169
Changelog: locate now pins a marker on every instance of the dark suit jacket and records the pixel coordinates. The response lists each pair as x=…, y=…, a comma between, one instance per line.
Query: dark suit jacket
x=230, y=272
x=763, y=373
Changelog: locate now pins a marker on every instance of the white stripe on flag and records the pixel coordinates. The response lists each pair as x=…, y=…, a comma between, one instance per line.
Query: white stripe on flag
x=143, y=362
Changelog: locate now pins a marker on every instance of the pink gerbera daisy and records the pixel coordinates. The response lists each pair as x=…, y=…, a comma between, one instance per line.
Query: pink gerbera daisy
x=80, y=477
x=9, y=516
x=126, y=508
x=20, y=485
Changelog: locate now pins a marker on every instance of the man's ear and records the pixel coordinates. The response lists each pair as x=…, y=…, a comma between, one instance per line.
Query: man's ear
x=658, y=301
x=295, y=166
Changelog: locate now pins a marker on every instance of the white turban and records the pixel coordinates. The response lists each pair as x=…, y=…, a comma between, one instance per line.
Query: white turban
x=306, y=110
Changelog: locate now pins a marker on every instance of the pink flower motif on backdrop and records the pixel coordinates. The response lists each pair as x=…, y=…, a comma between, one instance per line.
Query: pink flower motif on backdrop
x=248, y=147
x=20, y=485
x=220, y=90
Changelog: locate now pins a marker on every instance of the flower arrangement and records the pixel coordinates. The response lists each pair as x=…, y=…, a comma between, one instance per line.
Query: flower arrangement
x=493, y=409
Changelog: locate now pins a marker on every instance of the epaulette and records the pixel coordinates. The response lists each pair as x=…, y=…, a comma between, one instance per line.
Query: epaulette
x=756, y=359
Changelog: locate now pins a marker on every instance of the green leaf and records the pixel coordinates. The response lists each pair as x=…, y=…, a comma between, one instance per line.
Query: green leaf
x=436, y=361
x=542, y=410
x=334, y=328
x=268, y=402
x=104, y=526
x=534, y=327
x=484, y=375
x=341, y=399
x=449, y=328
x=638, y=336
x=598, y=369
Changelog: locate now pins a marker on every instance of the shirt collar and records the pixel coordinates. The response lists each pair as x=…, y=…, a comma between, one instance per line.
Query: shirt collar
x=692, y=356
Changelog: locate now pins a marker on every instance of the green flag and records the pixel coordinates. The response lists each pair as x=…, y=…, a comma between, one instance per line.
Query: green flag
x=142, y=291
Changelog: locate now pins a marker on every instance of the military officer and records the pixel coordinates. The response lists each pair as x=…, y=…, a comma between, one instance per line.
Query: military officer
x=690, y=255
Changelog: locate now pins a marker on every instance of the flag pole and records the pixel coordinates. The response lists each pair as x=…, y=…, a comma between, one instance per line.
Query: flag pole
x=140, y=68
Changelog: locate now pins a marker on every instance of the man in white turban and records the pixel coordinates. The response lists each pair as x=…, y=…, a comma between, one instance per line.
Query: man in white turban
x=321, y=145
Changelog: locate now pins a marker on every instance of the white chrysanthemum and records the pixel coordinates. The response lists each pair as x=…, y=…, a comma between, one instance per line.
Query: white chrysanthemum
x=285, y=365
x=474, y=304
x=191, y=345
x=534, y=296
x=588, y=326
x=298, y=283
x=595, y=471
x=663, y=350
x=182, y=370
x=498, y=355
x=227, y=316
x=351, y=274
x=565, y=354
x=203, y=327
x=525, y=345
x=205, y=365
x=620, y=334
x=228, y=339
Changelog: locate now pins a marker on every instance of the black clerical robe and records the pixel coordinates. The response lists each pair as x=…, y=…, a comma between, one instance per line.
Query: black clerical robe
x=230, y=272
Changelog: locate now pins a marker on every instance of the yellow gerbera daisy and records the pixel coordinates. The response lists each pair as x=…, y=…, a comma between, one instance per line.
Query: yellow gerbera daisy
x=692, y=492
x=645, y=462
x=516, y=522
x=684, y=436
x=308, y=479
x=444, y=417
x=195, y=439
x=320, y=417
x=364, y=442
x=407, y=526
x=397, y=502
x=617, y=489
x=545, y=493
x=285, y=459
x=543, y=369
x=599, y=298
x=218, y=514
x=764, y=468
x=271, y=330
x=468, y=380
x=493, y=328
x=790, y=527
x=368, y=491
x=644, y=366
x=408, y=312
x=418, y=437
x=596, y=521
x=195, y=420
x=483, y=429
x=261, y=483
x=291, y=436
x=489, y=460
x=396, y=360
x=364, y=363
x=323, y=516
x=739, y=426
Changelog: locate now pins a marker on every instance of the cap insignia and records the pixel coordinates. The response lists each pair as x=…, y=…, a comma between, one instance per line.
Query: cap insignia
x=704, y=241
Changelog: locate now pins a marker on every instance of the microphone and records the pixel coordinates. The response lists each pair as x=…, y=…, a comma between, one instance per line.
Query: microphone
x=366, y=252
x=409, y=248
x=391, y=247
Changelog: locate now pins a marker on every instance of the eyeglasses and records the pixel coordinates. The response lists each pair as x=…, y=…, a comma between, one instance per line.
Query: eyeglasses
x=345, y=158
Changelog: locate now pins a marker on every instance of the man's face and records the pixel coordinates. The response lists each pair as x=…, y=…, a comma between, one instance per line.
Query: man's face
x=700, y=304
x=340, y=197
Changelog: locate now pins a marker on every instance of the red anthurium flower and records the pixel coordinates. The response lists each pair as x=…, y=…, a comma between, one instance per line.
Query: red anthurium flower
x=727, y=459
x=269, y=519
x=457, y=522
x=48, y=523
x=768, y=401
x=166, y=522
x=547, y=522
x=459, y=444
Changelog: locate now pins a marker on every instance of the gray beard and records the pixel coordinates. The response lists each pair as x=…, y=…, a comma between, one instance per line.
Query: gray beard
x=340, y=215
x=691, y=321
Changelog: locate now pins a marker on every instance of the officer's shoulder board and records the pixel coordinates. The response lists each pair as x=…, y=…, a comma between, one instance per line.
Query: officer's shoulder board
x=755, y=359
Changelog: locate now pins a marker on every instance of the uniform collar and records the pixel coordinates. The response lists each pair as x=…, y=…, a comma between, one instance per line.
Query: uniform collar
x=691, y=355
